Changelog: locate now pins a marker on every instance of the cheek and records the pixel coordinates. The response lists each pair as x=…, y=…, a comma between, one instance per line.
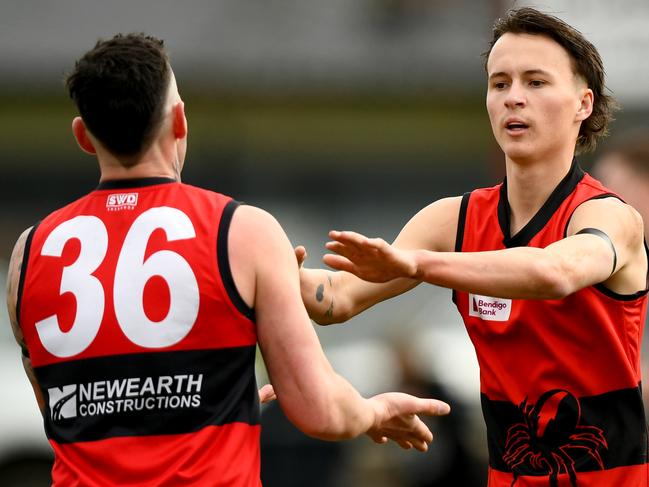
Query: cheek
x=559, y=110
x=491, y=108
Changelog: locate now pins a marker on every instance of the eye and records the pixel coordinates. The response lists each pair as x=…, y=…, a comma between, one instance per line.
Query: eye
x=537, y=83
x=499, y=85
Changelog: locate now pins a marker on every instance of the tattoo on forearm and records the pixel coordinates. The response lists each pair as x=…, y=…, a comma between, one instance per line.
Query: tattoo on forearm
x=330, y=311
x=319, y=295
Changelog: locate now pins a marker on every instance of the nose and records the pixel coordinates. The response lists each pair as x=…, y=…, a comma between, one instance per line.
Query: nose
x=515, y=96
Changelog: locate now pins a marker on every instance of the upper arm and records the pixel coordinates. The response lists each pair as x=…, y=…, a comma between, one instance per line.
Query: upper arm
x=295, y=361
x=13, y=284
x=589, y=258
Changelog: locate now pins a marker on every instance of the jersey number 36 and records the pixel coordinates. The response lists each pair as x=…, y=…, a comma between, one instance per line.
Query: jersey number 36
x=131, y=275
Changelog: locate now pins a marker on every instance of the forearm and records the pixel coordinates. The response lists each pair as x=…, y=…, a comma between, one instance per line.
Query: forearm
x=519, y=273
x=320, y=290
x=345, y=415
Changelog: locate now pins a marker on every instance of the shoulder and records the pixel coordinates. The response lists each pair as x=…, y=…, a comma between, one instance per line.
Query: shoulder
x=434, y=227
x=254, y=221
x=255, y=233
x=610, y=212
x=15, y=267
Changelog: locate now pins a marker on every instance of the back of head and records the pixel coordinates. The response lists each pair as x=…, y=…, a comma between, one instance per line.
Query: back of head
x=120, y=88
x=586, y=63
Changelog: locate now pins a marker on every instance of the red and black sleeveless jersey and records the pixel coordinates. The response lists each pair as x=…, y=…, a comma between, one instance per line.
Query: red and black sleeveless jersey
x=142, y=347
x=559, y=379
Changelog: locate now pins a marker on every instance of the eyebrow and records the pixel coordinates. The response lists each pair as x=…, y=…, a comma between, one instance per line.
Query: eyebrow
x=528, y=72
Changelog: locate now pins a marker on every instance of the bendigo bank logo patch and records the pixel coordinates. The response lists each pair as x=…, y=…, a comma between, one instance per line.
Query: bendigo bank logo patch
x=488, y=308
x=121, y=201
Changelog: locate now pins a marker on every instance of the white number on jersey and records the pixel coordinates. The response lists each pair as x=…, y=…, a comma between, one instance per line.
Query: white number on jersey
x=131, y=275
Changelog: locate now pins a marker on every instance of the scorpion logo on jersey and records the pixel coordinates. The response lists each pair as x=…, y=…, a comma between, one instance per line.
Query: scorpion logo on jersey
x=551, y=438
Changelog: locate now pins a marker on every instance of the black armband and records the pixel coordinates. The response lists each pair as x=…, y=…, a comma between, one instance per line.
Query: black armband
x=599, y=233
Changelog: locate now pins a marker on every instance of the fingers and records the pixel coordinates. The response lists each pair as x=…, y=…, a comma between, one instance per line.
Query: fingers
x=267, y=394
x=433, y=407
x=338, y=262
x=354, y=240
x=300, y=254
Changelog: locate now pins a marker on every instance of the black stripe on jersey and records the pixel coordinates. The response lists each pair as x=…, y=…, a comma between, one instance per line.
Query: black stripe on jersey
x=23, y=271
x=610, y=427
x=542, y=217
x=224, y=261
x=459, y=236
x=461, y=222
x=134, y=183
x=148, y=393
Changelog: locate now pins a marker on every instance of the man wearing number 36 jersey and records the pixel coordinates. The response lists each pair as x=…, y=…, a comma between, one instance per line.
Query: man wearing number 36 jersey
x=138, y=307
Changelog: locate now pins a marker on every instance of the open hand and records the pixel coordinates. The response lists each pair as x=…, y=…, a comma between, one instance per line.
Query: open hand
x=371, y=259
x=397, y=420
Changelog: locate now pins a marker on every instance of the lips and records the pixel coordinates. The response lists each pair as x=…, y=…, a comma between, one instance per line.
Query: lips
x=515, y=125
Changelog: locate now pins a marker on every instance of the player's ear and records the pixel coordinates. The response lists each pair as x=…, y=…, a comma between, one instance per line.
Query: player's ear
x=81, y=135
x=586, y=105
x=179, y=120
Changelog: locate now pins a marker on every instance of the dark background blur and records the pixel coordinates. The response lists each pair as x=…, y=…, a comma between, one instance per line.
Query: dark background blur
x=329, y=114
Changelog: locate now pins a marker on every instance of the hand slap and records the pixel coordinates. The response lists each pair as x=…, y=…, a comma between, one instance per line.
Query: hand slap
x=371, y=259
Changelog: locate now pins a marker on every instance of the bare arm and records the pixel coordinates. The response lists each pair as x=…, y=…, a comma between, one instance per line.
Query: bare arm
x=13, y=280
x=316, y=399
x=334, y=297
x=570, y=264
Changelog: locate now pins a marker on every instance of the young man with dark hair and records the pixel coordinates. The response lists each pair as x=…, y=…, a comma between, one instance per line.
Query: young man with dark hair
x=549, y=272
x=139, y=306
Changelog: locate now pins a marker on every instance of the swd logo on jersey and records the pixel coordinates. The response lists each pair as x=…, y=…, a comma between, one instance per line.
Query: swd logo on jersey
x=63, y=402
x=121, y=201
x=488, y=308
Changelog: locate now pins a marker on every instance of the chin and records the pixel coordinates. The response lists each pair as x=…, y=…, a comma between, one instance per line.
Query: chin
x=518, y=151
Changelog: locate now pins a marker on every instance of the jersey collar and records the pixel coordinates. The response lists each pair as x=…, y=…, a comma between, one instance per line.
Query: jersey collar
x=134, y=183
x=542, y=217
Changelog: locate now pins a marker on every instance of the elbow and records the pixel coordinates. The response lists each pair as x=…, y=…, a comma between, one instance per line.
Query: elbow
x=552, y=280
x=339, y=310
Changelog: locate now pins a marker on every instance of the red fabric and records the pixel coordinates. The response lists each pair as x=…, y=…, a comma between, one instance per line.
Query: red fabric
x=587, y=344
x=633, y=476
x=171, y=460
x=214, y=455
x=547, y=344
x=42, y=298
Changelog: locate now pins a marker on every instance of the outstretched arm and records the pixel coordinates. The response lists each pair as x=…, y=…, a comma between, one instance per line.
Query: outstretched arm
x=334, y=297
x=575, y=262
x=316, y=399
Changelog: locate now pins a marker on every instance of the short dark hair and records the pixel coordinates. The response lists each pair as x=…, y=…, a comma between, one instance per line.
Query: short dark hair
x=119, y=88
x=586, y=63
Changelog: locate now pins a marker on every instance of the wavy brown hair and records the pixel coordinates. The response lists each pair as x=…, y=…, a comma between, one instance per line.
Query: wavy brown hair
x=586, y=63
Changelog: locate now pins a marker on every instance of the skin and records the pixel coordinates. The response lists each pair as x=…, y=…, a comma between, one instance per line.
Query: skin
x=316, y=399
x=530, y=82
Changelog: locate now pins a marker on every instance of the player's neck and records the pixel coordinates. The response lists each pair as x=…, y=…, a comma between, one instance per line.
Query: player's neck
x=153, y=163
x=530, y=183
